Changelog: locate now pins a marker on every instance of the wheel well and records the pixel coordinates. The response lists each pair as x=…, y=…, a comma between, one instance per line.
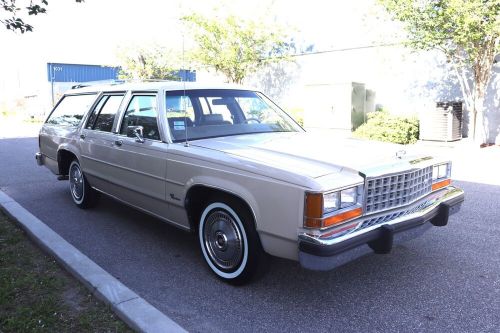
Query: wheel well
x=197, y=198
x=64, y=158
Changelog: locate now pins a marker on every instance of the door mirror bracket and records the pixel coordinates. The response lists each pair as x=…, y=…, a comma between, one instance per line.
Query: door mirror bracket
x=136, y=132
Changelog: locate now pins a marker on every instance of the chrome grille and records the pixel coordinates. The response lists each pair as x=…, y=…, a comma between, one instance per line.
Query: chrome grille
x=397, y=190
x=385, y=218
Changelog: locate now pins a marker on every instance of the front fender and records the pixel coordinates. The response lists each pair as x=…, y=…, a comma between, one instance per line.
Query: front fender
x=229, y=187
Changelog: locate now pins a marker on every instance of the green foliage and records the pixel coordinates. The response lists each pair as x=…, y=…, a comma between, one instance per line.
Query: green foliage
x=464, y=28
x=11, y=10
x=234, y=46
x=466, y=31
x=147, y=63
x=382, y=126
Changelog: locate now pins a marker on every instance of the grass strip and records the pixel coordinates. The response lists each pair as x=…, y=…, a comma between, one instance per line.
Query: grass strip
x=37, y=295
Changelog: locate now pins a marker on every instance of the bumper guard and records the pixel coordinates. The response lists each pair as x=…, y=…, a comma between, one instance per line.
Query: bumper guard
x=319, y=253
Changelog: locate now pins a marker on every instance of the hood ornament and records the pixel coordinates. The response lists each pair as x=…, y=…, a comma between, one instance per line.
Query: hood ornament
x=400, y=154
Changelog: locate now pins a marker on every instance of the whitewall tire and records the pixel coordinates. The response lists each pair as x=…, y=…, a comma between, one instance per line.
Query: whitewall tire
x=82, y=194
x=228, y=241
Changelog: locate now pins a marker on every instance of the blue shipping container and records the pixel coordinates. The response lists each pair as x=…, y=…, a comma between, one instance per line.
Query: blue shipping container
x=186, y=75
x=57, y=72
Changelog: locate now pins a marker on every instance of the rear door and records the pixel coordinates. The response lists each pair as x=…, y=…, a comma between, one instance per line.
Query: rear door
x=97, y=141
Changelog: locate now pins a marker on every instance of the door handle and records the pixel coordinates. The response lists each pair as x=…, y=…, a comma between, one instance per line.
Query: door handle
x=82, y=136
x=118, y=143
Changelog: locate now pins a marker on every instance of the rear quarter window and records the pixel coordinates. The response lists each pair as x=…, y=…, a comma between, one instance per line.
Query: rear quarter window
x=70, y=110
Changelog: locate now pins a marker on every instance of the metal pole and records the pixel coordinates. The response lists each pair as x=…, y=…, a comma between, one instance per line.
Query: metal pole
x=52, y=76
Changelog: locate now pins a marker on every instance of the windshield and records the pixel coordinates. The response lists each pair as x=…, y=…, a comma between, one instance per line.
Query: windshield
x=198, y=114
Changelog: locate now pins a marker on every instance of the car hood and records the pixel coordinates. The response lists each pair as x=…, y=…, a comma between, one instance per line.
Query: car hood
x=310, y=154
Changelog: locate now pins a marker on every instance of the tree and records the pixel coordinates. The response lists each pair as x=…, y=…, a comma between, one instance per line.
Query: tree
x=152, y=62
x=234, y=46
x=466, y=31
x=11, y=19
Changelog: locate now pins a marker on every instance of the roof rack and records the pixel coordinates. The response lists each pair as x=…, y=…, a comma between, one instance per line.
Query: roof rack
x=116, y=82
x=76, y=86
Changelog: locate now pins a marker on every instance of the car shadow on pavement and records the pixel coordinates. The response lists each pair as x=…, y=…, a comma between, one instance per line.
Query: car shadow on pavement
x=446, y=280
x=415, y=283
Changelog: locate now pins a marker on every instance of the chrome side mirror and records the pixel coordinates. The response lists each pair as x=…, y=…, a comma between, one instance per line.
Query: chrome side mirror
x=136, y=132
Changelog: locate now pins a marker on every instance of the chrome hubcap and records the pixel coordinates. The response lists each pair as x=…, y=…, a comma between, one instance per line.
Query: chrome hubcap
x=223, y=240
x=76, y=182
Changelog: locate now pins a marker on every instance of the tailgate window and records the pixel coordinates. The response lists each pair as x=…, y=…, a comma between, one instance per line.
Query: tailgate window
x=70, y=110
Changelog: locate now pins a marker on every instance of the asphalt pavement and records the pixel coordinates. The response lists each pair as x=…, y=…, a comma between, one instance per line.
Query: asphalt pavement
x=448, y=280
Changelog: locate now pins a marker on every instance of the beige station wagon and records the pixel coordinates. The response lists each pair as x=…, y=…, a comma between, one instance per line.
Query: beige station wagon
x=228, y=164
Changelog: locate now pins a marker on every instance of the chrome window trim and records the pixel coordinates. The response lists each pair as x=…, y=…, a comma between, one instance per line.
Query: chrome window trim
x=132, y=94
x=97, y=93
x=102, y=94
x=89, y=111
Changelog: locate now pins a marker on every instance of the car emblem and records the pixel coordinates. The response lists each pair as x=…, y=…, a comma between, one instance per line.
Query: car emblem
x=400, y=154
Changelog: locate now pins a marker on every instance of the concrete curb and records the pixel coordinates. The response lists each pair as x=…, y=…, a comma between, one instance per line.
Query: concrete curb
x=130, y=307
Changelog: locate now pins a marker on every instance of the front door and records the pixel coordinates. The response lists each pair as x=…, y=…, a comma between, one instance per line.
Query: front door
x=141, y=166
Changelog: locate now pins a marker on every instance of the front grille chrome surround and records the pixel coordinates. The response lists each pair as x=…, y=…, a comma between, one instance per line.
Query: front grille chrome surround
x=385, y=218
x=396, y=190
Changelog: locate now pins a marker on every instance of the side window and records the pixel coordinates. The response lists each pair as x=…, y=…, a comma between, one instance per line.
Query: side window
x=95, y=112
x=71, y=109
x=106, y=111
x=180, y=113
x=141, y=111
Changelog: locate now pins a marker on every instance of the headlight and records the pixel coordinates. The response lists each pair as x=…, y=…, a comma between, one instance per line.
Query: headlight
x=440, y=171
x=331, y=202
x=338, y=200
x=348, y=197
x=326, y=209
x=441, y=175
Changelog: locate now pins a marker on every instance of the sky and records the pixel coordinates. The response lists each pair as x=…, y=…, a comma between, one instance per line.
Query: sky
x=91, y=32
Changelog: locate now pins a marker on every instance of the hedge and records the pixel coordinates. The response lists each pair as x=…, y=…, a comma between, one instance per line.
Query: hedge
x=383, y=126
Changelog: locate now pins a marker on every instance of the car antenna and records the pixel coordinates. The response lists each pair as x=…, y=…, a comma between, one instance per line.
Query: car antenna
x=183, y=78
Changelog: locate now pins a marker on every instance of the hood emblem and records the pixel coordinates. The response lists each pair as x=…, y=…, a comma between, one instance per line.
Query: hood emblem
x=400, y=154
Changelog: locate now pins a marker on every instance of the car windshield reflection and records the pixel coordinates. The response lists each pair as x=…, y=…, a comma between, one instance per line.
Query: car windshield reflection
x=207, y=113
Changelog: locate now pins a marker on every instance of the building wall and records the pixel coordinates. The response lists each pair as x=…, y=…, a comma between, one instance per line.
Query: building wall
x=404, y=82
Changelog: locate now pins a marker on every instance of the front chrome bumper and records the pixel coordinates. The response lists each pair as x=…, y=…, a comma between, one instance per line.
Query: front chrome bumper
x=324, y=253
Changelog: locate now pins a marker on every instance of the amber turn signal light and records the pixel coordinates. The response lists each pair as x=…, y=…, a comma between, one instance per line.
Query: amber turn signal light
x=314, y=205
x=313, y=213
x=336, y=219
x=313, y=223
x=441, y=184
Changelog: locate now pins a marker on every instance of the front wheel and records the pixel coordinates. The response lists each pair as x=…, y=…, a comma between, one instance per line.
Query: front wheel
x=229, y=241
x=82, y=194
